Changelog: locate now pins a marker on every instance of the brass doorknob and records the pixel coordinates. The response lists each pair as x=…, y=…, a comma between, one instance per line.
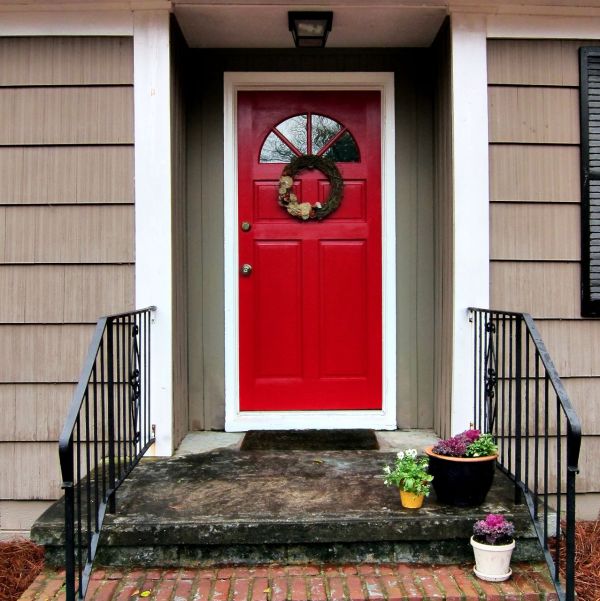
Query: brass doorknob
x=246, y=269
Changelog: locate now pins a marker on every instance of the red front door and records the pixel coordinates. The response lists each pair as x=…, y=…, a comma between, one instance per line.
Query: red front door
x=310, y=308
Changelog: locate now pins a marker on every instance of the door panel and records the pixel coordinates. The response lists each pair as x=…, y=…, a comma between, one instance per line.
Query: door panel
x=278, y=281
x=310, y=311
x=343, y=309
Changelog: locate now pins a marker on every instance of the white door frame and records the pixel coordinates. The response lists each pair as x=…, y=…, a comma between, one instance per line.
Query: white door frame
x=384, y=419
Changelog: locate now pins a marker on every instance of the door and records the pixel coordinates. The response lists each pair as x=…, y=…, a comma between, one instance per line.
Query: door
x=309, y=289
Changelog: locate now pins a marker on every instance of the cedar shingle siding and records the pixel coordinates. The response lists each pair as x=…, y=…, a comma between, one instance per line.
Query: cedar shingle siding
x=535, y=225
x=67, y=243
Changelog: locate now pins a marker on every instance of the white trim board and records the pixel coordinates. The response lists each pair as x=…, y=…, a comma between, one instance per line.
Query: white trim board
x=471, y=202
x=153, y=243
x=65, y=23
x=384, y=419
x=543, y=27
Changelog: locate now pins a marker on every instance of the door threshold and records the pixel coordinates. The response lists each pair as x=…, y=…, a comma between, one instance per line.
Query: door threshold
x=389, y=441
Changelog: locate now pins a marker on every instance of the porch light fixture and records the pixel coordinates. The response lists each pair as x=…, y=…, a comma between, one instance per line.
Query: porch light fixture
x=310, y=28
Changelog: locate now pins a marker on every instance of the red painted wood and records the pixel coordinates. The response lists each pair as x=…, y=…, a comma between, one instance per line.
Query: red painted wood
x=310, y=312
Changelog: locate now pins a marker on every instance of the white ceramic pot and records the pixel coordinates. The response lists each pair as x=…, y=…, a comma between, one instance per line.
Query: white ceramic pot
x=492, y=562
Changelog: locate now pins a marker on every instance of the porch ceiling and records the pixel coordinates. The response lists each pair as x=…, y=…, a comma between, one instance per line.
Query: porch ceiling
x=266, y=26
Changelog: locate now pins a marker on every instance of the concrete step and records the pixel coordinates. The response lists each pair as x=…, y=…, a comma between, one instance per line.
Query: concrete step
x=228, y=506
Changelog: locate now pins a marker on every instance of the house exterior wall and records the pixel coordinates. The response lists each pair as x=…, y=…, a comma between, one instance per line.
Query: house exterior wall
x=535, y=218
x=66, y=247
x=414, y=219
x=67, y=223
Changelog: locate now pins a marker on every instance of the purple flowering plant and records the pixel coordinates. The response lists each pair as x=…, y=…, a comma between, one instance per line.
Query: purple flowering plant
x=470, y=443
x=494, y=530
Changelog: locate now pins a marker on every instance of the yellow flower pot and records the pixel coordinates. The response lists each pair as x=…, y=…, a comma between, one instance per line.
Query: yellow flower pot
x=410, y=500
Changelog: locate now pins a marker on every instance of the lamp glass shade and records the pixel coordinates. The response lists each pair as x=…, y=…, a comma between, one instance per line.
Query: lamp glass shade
x=310, y=29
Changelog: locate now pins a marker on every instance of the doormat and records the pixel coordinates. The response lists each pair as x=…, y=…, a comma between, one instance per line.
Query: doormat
x=310, y=440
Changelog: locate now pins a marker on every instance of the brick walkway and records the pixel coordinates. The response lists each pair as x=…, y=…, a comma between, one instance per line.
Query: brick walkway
x=396, y=582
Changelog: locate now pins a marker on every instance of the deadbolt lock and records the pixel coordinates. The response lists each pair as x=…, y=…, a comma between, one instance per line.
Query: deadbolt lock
x=246, y=227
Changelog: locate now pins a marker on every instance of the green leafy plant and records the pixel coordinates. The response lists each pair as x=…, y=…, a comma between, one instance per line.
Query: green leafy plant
x=409, y=473
x=484, y=446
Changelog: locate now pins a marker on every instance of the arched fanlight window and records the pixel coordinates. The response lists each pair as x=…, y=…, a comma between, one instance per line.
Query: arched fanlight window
x=309, y=133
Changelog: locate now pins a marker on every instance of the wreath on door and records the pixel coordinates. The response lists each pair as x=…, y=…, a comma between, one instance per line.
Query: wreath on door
x=305, y=210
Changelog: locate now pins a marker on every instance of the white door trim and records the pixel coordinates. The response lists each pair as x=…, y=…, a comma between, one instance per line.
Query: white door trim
x=239, y=421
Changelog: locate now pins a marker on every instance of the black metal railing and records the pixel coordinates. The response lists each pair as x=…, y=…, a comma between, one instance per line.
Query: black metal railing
x=520, y=399
x=107, y=431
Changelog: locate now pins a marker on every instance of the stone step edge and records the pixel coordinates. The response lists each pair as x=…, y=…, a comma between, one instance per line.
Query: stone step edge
x=390, y=582
x=195, y=556
x=278, y=531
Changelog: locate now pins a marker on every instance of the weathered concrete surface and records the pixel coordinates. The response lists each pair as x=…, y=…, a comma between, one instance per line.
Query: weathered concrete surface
x=228, y=506
x=400, y=440
x=205, y=441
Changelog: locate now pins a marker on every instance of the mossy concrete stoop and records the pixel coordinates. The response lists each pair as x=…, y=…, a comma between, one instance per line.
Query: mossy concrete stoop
x=229, y=506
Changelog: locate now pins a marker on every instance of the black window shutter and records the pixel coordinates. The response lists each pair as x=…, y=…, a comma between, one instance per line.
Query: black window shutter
x=589, y=62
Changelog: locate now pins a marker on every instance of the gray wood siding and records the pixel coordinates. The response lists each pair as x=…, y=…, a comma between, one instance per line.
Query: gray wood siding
x=66, y=175
x=536, y=173
x=444, y=201
x=67, y=235
x=535, y=216
x=74, y=61
x=178, y=185
x=33, y=412
x=29, y=470
x=534, y=115
x=414, y=254
x=66, y=115
x=517, y=284
x=78, y=293
x=16, y=517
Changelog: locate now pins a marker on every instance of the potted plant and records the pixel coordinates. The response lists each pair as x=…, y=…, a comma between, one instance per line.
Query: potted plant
x=463, y=468
x=493, y=543
x=409, y=474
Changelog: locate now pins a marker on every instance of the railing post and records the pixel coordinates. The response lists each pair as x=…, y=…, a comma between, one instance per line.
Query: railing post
x=570, y=567
x=573, y=447
x=518, y=407
x=112, y=479
x=68, y=487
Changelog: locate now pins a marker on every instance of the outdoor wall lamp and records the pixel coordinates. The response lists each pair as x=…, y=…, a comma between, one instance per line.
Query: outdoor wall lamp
x=310, y=28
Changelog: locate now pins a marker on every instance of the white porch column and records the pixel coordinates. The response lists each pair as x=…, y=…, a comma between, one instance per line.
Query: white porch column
x=471, y=201
x=153, y=260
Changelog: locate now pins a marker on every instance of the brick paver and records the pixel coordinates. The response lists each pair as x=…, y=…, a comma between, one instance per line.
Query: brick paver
x=367, y=582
